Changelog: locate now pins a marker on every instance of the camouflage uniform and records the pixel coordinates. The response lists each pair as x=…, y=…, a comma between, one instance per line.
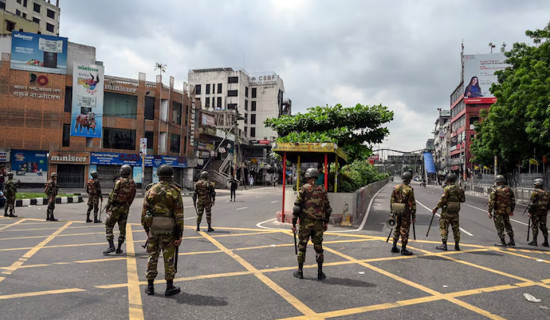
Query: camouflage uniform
x=10, y=192
x=162, y=200
x=51, y=191
x=93, y=188
x=118, y=204
x=204, y=197
x=313, y=217
x=403, y=193
x=451, y=193
x=502, y=203
x=538, y=210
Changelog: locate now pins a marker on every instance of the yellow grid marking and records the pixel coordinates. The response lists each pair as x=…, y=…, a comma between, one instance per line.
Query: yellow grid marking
x=12, y=224
x=135, y=305
x=39, y=293
x=61, y=235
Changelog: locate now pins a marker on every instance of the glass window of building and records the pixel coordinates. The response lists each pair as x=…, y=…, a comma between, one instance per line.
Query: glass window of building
x=233, y=79
x=68, y=99
x=51, y=14
x=149, y=108
x=176, y=112
x=253, y=92
x=119, y=105
x=114, y=138
x=232, y=93
x=207, y=89
x=252, y=132
x=175, y=143
x=66, y=134
x=36, y=7
x=35, y=20
x=252, y=119
x=219, y=88
x=246, y=92
x=150, y=136
x=49, y=27
x=253, y=106
x=245, y=104
x=219, y=103
x=231, y=106
x=198, y=89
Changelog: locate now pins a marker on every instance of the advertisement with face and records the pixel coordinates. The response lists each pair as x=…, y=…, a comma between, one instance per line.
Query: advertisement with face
x=87, y=104
x=38, y=52
x=479, y=74
x=29, y=166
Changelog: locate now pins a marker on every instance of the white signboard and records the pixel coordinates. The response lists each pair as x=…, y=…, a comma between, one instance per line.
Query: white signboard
x=479, y=73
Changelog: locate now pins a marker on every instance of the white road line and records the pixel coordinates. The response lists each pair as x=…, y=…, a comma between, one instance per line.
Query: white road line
x=259, y=224
x=430, y=210
x=241, y=208
x=520, y=222
x=275, y=201
x=188, y=207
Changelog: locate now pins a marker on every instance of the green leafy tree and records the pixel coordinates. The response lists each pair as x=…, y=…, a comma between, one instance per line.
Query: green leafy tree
x=518, y=124
x=350, y=128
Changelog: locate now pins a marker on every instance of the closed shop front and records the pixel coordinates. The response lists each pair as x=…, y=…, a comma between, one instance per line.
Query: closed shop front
x=71, y=168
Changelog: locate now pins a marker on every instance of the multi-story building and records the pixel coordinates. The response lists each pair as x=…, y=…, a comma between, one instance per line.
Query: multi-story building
x=442, y=137
x=37, y=16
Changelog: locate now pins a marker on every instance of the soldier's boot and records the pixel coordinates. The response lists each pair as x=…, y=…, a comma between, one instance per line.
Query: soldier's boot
x=171, y=289
x=111, y=247
x=457, y=247
x=48, y=215
x=6, y=210
x=320, y=274
x=88, y=217
x=533, y=243
x=210, y=227
x=150, y=290
x=503, y=241
x=394, y=249
x=443, y=246
x=52, y=218
x=11, y=214
x=198, y=227
x=119, y=248
x=96, y=220
x=511, y=243
x=299, y=273
x=404, y=251
x=545, y=243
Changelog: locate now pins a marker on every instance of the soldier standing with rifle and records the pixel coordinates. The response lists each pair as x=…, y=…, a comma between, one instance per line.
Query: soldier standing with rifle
x=51, y=190
x=313, y=209
x=162, y=219
x=93, y=188
x=449, y=203
x=502, y=203
x=10, y=193
x=117, y=208
x=538, y=210
x=204, y=191
x=403, y=207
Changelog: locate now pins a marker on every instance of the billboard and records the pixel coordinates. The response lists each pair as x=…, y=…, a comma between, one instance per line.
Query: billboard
x=479, y=73
x=38, y=52
x=29, y=166
x=87, y=104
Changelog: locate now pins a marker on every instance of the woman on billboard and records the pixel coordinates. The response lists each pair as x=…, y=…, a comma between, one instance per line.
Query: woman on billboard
x=473, y=90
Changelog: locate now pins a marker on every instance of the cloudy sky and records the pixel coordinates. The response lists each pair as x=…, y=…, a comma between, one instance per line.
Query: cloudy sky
x=402, y=54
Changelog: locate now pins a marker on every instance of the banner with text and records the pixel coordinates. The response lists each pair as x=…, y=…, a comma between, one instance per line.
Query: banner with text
x=479, y=74
x=38, y=52
x=29, y=166
x=87, y=104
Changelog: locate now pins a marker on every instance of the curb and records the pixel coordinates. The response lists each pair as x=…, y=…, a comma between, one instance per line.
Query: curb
x=44, y=201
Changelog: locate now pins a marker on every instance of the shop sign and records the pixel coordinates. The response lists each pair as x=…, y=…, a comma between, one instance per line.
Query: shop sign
x=29, y=166
x=108, y=158
x=70, y=157
x=4, y=156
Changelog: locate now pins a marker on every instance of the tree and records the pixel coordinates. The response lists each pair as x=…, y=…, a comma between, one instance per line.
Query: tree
x=350, y=128
x=518, y=124
x=160, y=67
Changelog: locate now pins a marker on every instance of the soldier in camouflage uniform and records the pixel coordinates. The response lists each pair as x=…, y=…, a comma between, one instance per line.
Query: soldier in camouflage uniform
x=313, y=209
x=204, y=192
x=93, y=188
x=403, y=208
x=538, y=210
x=502, y=203
x=51, y=190
x=118, y=206
x=162, y=219
x=449, y=203
x=10, y=189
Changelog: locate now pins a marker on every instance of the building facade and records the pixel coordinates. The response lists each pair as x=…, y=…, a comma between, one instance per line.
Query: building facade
x=442, y=137
x=37, y=16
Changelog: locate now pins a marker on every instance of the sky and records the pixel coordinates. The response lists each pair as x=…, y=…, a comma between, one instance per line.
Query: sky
x=402, y=54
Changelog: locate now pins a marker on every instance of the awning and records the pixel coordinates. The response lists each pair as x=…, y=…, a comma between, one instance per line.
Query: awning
x=429, y=162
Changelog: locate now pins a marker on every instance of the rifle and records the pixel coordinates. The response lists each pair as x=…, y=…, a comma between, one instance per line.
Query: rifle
x=528, y=229
x=389, y=235
x=414, y=232
x=295, y=244
x=100, y=211
x=177, y=235
x=432, y=220
x=146, y=243
x=388, y=225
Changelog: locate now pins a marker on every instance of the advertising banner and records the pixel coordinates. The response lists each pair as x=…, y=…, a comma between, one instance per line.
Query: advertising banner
x=4, y=156
x=479, y=73
x=118, y=159
x=38, y=52
x=29, y=166
x=87, y=105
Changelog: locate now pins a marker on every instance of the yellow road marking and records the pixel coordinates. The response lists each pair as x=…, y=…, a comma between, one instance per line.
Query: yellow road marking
x=524, y=256
x=299, y=305
x=12, y=224
x=38, y=293
x=135, y=305
x=34, y=250
x=61, y=235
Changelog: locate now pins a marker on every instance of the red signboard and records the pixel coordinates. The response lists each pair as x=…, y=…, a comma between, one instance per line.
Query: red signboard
x=489, y=100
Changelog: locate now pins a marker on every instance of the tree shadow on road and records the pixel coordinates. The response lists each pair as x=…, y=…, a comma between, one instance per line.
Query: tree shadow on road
x=200, y=300
x=344, y=282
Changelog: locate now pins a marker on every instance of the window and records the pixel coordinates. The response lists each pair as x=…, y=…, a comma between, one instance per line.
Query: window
x=17, y=12
x=245, y=131
x=207, y=103
x=252, y=132
x=176, y=112
x=198, y=89
x=252, y=119
x=246, y=92
x=245, y=104
x=66, y=134
x=3, y=5
x=219, y=88
x=149, y=108
x=119, y=138
x=49, y=27
x=185, y=115
x=119, y=105
x=175, y=143
x=24, y=15
x=207, y=89
x=10, y=26
x=36, y=7
x=150, y=136
x=24, y=3
x=68, y=99
x=164, y=110
x=51, y=14
x=246, y=118
x=219, y=103
x=232, y=93
x=35, y=20
x=162, y=142
x=253, y=92
x=19, y=1
x=233, y=79
x=253, y=106
x=231, y=106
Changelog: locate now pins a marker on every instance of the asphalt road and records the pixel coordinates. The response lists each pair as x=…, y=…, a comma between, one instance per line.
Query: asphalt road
x=243, y=270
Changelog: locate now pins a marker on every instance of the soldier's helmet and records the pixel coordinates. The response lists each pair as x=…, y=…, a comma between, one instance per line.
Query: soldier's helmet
x=165, y=171
x=204, y=175
x=125, y=171
x=500, y=179
x=94, y=174
x=54, y=175
x=312, y=173
x=10, y=174
x=538, y=182
x=451, y=177
x=407, y=176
